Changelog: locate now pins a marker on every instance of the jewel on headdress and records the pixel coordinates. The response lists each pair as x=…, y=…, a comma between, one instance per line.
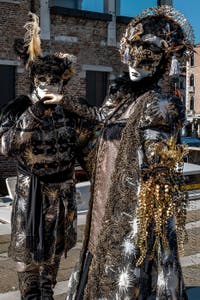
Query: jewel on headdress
x=153, y=39
x=126, y=56
x=170, y=31
x=175, y=67
x=133, y=33
x=167, y=27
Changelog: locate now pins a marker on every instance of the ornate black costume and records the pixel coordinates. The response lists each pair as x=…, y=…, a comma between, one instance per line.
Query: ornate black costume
x=130, y=249
x=112, y=223
x=46, y=147
x=45, y=140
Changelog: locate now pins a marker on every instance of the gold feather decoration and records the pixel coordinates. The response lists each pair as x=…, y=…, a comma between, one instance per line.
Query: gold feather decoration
x=32, y=37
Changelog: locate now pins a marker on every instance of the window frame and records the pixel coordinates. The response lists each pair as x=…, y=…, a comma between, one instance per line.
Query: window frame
x=99, y=87
x=192, y=80
x=192, y=103
x=11, y=88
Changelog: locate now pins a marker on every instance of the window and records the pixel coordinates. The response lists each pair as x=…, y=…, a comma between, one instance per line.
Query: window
x=7, y=87
x=183, y=99
x=89, y=5
x=67, y=3
x=96, y=87
x=192, y=60
x=192, y=103
x=93, y=5
x=182, y=86
x=192, y=80
x=130, y=8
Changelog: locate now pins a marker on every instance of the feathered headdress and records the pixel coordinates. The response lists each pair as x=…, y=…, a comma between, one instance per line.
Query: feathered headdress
x=162, y=26
x=58, y=65
x=32, y=38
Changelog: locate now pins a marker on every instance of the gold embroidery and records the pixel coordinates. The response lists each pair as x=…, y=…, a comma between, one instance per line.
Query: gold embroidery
x=162, y=196
x=52, y=194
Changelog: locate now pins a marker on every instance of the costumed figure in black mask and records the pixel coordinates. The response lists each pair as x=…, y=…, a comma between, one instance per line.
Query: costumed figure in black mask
x=138, y=207
x=45, y=140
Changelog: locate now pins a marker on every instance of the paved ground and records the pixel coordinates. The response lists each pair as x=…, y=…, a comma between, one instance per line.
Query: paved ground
x=9, y=282
x=190, y=261
x=8, y=276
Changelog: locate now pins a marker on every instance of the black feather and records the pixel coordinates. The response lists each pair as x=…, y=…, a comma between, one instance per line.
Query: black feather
x=15, y=108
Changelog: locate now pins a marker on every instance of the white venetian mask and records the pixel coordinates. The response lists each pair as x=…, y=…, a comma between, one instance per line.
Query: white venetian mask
x=144, y=62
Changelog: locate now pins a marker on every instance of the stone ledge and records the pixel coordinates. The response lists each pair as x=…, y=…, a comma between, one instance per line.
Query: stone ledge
x=5, y=230
x=10, y=1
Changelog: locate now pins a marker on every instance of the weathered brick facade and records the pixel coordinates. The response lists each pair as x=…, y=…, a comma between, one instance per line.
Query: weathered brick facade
x=86, y=35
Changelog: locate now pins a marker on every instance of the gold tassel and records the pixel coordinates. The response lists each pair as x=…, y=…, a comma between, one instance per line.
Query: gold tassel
x=32, y=37
x=162, y=196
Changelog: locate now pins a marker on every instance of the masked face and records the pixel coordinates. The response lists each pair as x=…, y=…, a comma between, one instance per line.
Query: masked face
x=144, y=62
x=137, y=74
x=45, y=85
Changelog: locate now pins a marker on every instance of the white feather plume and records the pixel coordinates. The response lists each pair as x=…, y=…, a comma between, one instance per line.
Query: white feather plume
x=32, y=37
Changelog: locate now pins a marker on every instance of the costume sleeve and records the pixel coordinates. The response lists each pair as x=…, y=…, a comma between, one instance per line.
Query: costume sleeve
x=95, y=114
x=16, y=132
x=87, y=133
x=81, y=108
x=163, y=118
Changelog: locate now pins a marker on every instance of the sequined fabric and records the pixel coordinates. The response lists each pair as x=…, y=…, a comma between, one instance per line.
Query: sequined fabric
x=37, y=282
x=113, y=273
x=46, y=141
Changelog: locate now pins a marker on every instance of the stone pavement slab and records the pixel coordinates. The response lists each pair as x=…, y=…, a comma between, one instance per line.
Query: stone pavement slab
x=5, y=229
x=5, y=213
x=60, y=290
x=193, y=205
x=190, y=262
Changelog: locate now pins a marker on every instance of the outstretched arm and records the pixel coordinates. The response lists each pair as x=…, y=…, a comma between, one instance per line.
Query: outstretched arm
x=79, y=107
x=87, y=136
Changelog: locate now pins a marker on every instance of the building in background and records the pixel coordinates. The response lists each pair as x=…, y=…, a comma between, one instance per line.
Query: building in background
x=193, y=92
x=193, y=85
x=91, y=30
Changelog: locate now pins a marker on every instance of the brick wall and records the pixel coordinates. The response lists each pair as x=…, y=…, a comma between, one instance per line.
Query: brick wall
x=87, y=40
x=82, y=36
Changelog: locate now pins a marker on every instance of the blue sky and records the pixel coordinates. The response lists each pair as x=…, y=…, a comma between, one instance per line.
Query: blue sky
x=190, y=8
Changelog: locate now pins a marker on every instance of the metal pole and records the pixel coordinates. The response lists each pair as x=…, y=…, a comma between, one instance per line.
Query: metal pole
x=186, y=88
x=111, y=38
x=165, y=2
